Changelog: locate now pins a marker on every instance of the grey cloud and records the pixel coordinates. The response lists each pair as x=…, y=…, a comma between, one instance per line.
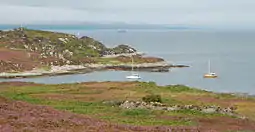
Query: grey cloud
x=198, y=12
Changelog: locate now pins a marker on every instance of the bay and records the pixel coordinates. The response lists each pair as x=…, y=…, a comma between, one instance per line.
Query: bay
x=231, y=54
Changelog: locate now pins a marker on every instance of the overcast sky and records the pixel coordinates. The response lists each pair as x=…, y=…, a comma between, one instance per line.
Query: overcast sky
x=187, y=12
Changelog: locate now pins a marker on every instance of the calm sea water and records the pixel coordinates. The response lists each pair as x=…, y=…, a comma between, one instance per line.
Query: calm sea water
x=231, y=53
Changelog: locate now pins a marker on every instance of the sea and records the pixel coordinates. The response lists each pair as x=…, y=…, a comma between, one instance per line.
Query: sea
x=231, y=54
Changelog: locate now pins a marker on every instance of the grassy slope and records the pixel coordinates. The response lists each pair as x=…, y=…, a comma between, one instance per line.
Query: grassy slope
x=72, y=44
x=87, y=98
x=58, y=42
x=51, y=47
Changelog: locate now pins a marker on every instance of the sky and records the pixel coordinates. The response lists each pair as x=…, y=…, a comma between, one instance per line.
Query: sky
x=181, y=12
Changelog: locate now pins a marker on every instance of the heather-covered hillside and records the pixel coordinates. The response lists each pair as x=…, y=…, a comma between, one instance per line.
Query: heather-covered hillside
x=24, y=49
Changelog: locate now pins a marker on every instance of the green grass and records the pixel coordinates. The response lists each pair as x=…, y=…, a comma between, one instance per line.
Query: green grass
x=107, y=61
x=46, y=34
x=35, y=90
x=96, y=109
x=113, y=114
x=182, y=88
x=136, y=112
x=2, y=45
x=145, y=117
x=225, y=96
x=46, y=68
x=171, y=101
x=115, y=61
x=194, y=113
x=170, y=88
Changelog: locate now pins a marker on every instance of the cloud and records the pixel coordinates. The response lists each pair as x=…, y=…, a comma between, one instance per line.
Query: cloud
x=27, y=14
x=191, y=12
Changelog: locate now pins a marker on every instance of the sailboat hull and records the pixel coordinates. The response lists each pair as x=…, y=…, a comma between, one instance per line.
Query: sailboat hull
x=133, y=77
x=210, y=76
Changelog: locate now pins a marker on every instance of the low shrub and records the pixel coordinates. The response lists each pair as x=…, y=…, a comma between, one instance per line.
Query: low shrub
x=152, y=98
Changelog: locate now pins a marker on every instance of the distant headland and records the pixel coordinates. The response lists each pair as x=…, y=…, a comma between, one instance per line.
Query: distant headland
x=26, y=52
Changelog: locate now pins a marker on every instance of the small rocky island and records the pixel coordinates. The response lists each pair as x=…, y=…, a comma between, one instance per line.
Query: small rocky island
x=25, y=53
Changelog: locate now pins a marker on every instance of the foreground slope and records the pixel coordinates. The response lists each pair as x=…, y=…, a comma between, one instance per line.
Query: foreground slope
x=105, y=105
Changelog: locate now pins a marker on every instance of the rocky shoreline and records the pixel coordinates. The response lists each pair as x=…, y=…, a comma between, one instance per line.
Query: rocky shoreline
x=78, y=69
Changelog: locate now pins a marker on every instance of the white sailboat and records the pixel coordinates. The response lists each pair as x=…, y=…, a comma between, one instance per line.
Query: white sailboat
x=133, y=75
x=210, y=74
x=21, y=27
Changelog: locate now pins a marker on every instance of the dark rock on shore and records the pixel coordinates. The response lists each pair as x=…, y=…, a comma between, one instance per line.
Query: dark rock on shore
x=179, y=66
x=149, y=69
x=160, y=69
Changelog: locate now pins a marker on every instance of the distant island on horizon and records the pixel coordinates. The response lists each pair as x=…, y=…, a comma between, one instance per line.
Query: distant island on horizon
x=91, y=26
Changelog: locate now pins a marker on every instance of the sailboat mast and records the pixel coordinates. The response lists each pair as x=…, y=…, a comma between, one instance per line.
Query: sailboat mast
x=209, y=66
x=132, y=63
x=21, y=27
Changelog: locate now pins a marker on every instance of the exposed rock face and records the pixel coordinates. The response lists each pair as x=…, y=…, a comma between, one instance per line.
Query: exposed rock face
x=8, y=66
x=123, y=49
x=120, y=49
x=142, y=105
x=93, y=44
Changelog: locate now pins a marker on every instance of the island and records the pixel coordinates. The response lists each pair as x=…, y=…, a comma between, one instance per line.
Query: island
x=29, y=53
x=121, y=107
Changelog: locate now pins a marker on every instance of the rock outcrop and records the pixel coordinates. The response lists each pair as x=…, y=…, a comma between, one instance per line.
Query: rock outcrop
x=159, y=106
x=51, y=49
